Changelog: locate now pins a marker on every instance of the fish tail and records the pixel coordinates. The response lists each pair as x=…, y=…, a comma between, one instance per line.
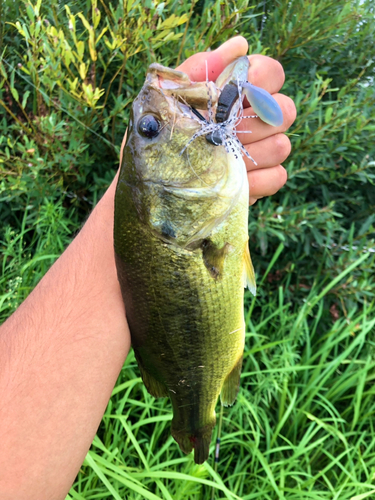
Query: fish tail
x=198, y=440
x=202, y=448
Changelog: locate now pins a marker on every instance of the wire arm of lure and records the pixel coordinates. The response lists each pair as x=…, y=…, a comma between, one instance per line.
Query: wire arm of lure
x=197, y=114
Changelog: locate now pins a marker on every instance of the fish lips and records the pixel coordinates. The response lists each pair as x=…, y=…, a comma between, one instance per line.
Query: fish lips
x=177, y=84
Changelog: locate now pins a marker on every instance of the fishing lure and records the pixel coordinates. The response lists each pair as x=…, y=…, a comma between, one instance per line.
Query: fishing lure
x=221, y=130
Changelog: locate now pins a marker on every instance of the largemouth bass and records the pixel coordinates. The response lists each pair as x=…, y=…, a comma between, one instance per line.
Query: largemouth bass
x=181, y=247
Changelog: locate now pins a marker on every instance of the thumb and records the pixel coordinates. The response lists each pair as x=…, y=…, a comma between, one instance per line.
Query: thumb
x=217, y=60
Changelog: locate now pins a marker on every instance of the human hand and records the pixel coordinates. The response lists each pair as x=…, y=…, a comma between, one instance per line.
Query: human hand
x=268, y=145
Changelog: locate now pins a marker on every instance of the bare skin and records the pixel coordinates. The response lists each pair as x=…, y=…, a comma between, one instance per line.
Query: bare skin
x=268, y=145
x=62, y=350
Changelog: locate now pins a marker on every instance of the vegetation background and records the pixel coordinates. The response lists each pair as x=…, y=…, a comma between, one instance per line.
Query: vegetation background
x=303, y=425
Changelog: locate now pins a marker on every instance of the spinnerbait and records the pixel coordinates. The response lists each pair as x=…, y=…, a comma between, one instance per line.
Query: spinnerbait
x=262, y=102
x=220, y=130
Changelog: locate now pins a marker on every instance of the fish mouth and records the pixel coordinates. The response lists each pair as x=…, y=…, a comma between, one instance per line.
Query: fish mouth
x=201, y=95
x=177, y=84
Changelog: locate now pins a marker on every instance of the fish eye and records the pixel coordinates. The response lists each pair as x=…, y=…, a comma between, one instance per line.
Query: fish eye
x=149, y=126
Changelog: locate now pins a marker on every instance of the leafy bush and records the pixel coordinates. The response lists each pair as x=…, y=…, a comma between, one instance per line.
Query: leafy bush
x=303, y=423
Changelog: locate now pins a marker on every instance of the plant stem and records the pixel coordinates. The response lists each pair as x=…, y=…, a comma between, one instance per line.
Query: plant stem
x=2, y=103
x=185, y=32
x=217, y=448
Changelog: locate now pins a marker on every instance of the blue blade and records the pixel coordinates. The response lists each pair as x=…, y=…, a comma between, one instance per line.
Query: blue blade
x=264, y=105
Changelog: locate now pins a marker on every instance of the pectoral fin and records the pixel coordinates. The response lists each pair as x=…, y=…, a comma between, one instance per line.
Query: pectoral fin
x=249, y=275
x=214, y=257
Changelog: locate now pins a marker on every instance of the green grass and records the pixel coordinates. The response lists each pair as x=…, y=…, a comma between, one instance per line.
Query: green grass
x=303, y=423
x=302, y=426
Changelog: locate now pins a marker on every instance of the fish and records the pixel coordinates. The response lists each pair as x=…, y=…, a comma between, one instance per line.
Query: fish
x=181, y=246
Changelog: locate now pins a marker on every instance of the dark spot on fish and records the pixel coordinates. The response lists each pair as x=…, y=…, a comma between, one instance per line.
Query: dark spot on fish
x=167, y=230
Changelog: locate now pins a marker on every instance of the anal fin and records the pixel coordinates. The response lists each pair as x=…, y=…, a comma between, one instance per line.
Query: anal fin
x=154, y=387
x=249, y=275
x=231, y=385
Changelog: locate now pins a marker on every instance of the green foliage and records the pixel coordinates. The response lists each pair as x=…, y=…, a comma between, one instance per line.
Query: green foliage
x=303, y=423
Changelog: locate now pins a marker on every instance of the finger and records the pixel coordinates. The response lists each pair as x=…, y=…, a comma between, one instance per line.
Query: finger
x=261, y=130
x=265, y=182
x=217, y=60
x=269, y=152
x=266, y=72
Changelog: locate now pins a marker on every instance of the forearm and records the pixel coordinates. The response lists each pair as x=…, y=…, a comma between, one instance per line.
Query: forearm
x=60, y=355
